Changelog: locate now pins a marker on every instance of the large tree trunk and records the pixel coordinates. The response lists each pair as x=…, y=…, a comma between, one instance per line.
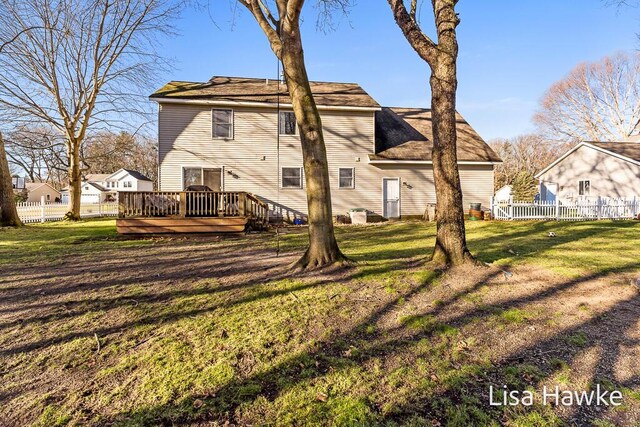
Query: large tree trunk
x=75, y=181
x=451, y=244
x=323, y=249
x=8, y=213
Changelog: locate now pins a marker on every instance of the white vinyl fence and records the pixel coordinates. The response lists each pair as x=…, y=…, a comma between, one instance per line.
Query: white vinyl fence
x=42, y=211
x=582, y=209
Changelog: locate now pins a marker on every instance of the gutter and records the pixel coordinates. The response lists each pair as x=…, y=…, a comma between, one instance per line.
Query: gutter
x=429, y=162
x=161, y=100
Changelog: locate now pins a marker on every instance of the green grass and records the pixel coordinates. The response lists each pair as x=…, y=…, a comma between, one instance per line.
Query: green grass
x=54, y=241
x=289, y=350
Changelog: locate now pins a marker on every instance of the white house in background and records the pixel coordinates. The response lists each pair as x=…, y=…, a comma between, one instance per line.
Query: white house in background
x=34, y=191
x=104, y=187
x=503, y=193
x=604, y=169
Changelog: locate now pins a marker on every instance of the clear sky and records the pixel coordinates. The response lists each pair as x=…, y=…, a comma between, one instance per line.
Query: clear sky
x=510, y=52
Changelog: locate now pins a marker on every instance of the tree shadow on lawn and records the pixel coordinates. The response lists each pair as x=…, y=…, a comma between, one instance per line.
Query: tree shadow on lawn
x=461, y=390
x=460, y=393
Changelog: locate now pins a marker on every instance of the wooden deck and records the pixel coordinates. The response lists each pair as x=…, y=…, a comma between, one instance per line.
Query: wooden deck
x=189, y=212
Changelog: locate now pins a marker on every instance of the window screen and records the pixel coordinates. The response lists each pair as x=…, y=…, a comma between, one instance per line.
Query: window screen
x=222, y=123
x=347, y=178
x=287, y=123
x=291, y=178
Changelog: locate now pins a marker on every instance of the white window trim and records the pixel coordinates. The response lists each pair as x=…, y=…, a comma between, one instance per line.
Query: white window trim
x=233, y=125
x=295, y=128
x=282, y=177
x=353, y=179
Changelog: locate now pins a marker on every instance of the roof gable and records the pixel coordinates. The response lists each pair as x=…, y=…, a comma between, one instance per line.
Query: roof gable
x=121, y=173
x=631, y=152
x=406, y=134
x=239, y=89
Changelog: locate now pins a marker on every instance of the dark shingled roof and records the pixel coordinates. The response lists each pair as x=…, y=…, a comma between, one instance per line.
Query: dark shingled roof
x=137, y=175
x=407, y=134
x=240, y=89
x=626, y=149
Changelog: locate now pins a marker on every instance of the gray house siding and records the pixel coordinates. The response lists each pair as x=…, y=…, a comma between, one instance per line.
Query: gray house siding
x=609, y=175
x=251, y=163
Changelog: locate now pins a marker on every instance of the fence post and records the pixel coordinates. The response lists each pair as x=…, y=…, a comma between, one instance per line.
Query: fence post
x=99, y=207
x=599, y=207
x=42, y=212
x=510, y=208
x=557, y=208
x=492, y=207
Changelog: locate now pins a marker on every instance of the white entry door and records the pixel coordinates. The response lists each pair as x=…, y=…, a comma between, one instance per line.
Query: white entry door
x=391, y=197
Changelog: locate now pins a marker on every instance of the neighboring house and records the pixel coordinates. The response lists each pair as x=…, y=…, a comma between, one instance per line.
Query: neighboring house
x=104, y=187
x=128, y=180
x=34, y=191
x=503, y=193
x=240, y=134
x=605, y=169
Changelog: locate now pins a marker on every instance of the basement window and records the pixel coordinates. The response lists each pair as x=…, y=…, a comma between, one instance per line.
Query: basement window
x=584, y=187
x=291, y=177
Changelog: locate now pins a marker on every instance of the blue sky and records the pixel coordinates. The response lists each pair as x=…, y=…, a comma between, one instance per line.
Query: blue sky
x=510, y=52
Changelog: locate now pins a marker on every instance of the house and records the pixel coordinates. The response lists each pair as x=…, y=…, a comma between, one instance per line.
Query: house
x=240, y=134
x=104, y=187
x=35, y=191
x=605, y=169
x=503, y=193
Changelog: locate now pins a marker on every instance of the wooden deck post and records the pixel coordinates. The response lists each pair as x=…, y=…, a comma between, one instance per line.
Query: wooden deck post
x=183, y=205
x=242, y=204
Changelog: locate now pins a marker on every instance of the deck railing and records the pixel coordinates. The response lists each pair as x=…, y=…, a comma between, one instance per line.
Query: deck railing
x=190, y=204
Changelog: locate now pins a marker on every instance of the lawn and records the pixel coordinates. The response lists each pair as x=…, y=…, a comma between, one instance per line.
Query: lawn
x=99, y=329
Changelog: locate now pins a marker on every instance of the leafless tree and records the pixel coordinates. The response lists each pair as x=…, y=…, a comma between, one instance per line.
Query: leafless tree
x=523, y=157
x=441, y=54
x=597, y=101
x=106, y=152
x=280, y=22
x=38, y=152
x=81, y=65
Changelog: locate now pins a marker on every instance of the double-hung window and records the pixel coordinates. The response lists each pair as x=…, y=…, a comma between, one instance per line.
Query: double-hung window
x=287, y=123
x=291, y=177
x=584, y=187
x=222, y=123
x=347, y=178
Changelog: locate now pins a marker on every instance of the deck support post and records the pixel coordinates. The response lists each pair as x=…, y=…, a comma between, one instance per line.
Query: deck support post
x=183, y=205
x=242, y=204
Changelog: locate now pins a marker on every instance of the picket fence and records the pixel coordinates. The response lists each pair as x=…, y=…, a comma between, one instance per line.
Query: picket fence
x=581, y=209
x=42, y=211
